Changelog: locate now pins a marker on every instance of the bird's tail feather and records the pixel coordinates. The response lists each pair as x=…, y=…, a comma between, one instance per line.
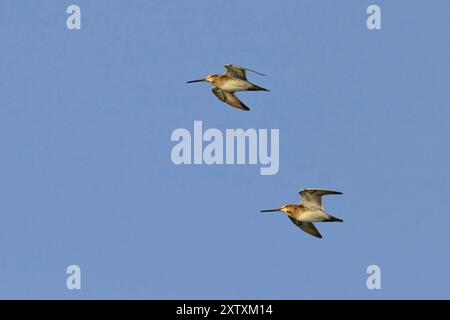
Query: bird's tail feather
x=258, y=88
x=333, y=219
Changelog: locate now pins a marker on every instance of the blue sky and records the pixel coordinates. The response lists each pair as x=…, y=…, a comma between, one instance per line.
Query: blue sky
x=86, y=176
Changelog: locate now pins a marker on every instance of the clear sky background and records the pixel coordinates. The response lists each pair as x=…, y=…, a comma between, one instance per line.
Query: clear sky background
x=86, y=176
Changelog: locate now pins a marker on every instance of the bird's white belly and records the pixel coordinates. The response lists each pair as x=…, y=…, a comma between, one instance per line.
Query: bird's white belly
x=313, y=216
x=233, y=85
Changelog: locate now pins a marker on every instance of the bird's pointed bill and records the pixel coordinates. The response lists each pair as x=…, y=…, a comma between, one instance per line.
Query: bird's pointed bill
x=199, y=80
x=271, y=210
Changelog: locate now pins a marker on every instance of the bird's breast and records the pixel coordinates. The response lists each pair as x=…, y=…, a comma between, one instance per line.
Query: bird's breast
x=311, y=215
x=233, y=84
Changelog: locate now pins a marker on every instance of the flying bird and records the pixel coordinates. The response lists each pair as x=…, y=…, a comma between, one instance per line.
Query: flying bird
x=309, y=210
x=225, y=85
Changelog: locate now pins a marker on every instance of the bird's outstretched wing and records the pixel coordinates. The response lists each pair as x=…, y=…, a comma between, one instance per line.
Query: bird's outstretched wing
x=308, y=227
x=313, y=197
x=238, y=72
x=229, y=98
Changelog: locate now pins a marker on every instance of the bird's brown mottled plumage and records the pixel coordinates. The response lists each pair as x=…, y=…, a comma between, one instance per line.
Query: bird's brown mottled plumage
x=225, y=85
x=309, y=210
x=307, y=227
x=229, y=98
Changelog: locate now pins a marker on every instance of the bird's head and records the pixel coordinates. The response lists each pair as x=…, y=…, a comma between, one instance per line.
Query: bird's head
x=210, y=78
x=286, y=209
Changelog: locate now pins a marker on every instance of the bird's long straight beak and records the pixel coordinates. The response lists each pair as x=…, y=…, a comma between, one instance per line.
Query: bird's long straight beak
x=271, y=210
x=200, y=80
